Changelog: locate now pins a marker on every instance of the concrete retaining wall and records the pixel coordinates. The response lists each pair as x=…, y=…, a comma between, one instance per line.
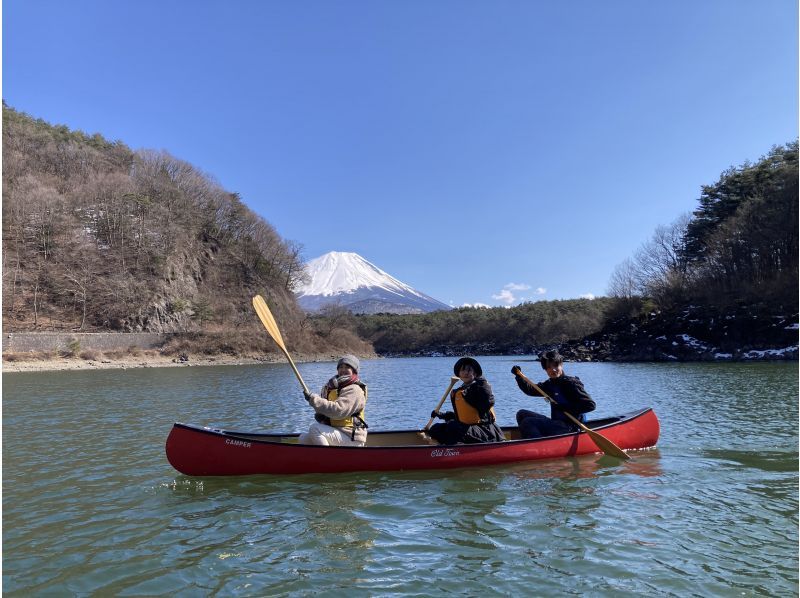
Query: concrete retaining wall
x=26, y=342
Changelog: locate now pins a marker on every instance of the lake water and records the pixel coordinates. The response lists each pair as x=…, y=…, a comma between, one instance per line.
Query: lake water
x=91, y=506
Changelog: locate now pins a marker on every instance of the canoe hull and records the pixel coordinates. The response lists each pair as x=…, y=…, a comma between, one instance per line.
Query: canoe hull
x=200, y=451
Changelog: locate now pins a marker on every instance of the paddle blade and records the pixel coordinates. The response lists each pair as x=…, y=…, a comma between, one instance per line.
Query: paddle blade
x=608, y=447
x=272, y=327
x=268, y=321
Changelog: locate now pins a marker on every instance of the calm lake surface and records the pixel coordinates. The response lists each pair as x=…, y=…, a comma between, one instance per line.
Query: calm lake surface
x=91, y=506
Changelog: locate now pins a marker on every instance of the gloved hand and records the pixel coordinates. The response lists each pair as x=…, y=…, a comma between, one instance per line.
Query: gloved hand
x=516, y=370
x=435, y=413
x=307, y=395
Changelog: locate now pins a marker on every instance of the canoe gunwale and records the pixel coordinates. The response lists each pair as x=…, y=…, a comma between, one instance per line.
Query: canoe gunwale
x=278, y=438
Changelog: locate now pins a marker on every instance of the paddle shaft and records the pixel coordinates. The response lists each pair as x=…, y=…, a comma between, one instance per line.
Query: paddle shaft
x=294, y=367
x=603, y=443
x=267, y=319
x=453, y=380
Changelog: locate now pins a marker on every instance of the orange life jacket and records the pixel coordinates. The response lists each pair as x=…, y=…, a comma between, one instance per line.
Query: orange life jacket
x=466, y=413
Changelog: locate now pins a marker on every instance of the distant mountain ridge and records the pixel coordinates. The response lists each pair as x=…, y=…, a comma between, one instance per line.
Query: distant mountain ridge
x=347, y=279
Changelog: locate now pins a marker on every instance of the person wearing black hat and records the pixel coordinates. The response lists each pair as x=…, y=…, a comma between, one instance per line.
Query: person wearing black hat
x=567, y=391
x=339, y=408
x=472, y=419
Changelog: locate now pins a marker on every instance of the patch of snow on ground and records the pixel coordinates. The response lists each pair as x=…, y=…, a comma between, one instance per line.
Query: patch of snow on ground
x=755, y=354
x=692, y=342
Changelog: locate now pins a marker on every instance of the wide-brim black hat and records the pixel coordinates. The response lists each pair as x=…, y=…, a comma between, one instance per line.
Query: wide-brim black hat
x=470, y=362
x=552, y=355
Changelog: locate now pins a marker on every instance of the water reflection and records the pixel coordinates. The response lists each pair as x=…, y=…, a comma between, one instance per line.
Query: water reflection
x=643, y=464
x=334, y=520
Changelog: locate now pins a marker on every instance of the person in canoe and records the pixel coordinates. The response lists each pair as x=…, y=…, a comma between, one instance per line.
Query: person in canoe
x=567, y=391
x=472, y=419
x=339, y=409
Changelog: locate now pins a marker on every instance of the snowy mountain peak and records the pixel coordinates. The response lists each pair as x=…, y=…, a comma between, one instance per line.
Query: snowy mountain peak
x=342, y=272
x=348, y=279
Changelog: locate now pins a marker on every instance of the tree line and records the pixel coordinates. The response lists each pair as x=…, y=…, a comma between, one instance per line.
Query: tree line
x=739, y=246
x=516, y=329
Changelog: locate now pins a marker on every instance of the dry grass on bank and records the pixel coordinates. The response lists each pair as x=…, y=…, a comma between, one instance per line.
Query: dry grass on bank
x=186, y=350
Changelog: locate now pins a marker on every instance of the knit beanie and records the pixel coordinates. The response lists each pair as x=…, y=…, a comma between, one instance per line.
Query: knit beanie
x=350, y=360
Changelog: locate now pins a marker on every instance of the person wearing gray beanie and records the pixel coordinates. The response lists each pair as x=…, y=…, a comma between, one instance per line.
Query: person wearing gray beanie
x=350, y=360
x=339, y=408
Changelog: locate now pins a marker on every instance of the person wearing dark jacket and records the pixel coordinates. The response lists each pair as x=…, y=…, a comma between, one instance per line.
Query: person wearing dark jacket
x=472, y=419
x=567, y=391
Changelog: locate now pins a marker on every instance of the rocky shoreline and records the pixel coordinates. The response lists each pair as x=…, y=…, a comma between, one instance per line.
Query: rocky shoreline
x=689, y=350
x=693, y=333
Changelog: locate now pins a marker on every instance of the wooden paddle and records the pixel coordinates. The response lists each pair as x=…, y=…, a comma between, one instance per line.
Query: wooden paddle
x=603, y=443
x=453, y=380
x=269, y=323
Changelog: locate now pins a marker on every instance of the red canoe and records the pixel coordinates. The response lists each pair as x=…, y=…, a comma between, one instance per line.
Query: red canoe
x=201, y=451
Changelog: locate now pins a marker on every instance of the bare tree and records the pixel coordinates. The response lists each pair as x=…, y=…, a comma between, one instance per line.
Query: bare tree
x=623, y=283
x=657, y=270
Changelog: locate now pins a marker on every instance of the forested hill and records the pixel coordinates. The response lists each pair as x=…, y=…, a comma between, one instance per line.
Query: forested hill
x=99, y=237
x=722, y=281
x=739, y=245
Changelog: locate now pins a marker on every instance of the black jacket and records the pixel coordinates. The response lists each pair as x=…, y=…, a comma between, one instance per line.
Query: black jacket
x=567, y=391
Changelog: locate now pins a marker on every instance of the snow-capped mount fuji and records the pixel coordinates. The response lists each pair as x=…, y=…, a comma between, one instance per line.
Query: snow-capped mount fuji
x=347, y=279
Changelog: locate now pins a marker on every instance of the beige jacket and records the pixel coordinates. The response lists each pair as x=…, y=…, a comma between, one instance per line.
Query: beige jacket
x=351, y=400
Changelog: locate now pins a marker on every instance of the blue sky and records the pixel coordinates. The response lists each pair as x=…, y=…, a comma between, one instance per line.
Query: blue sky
x=484, y=151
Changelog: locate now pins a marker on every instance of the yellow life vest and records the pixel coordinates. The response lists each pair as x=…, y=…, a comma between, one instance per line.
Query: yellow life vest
x=347, y=422
x=466, y=413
